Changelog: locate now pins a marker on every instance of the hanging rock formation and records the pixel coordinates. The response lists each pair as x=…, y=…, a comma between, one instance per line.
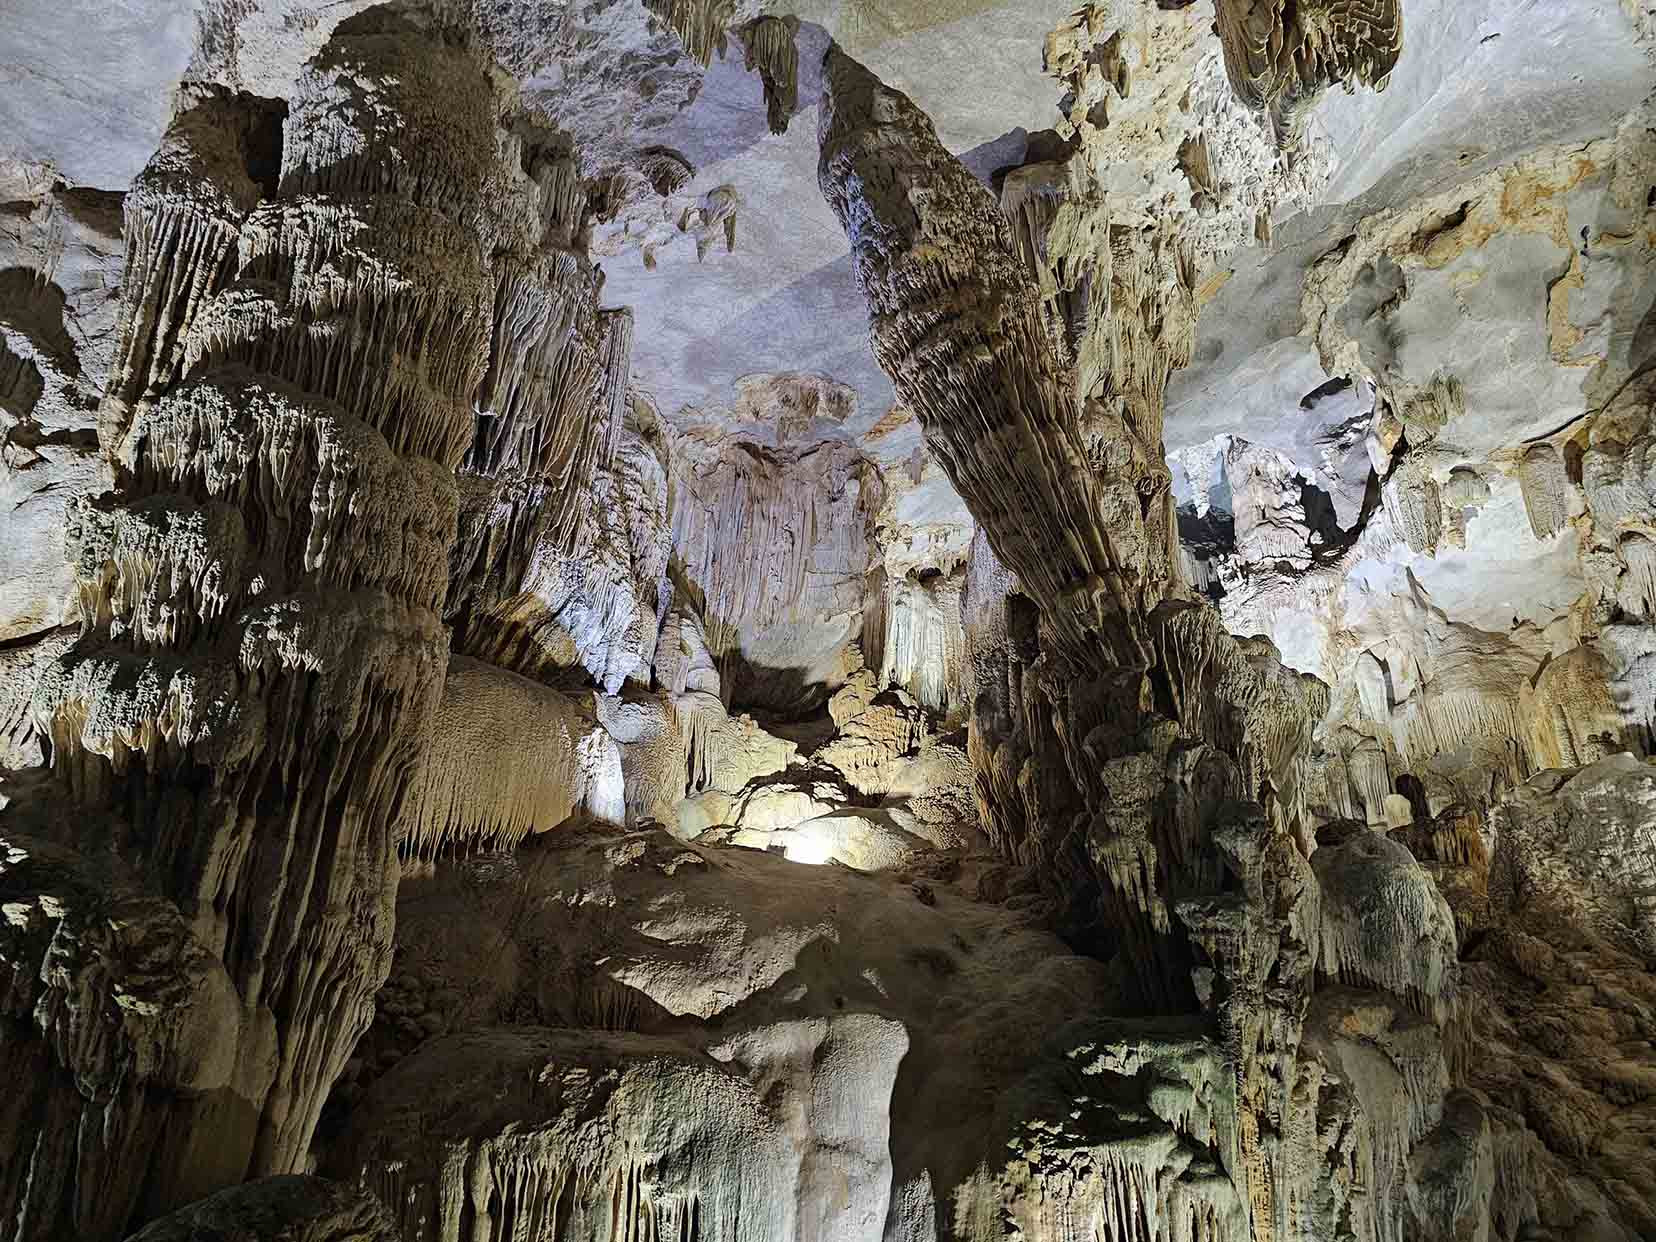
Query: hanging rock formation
x=1281, y=55
x=959, y=327
x=998, y=406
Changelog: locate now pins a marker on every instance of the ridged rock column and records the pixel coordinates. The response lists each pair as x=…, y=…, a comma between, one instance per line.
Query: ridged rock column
x=1135, y=714
x=1144, y=748
x=199, y=903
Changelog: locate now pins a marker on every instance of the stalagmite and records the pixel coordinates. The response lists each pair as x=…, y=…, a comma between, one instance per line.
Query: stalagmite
x=959, y=328
x=261, y=654
x=1136, y=723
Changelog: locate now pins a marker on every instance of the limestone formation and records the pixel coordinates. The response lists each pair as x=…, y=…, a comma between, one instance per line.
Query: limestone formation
x=277, y=1209
x=261, y=655
x=611, y=628
x=997, y=404
x=1089, y=540
x=487, y=782
x=768, y=46
x=762, y=1046
x=1281, y=55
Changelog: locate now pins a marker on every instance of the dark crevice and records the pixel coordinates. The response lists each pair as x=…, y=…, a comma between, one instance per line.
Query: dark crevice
x=1321, y=518
x=29, y=436
x=262, y=146
x=1207, y=537
x=1323, y=391
x=1430, y=232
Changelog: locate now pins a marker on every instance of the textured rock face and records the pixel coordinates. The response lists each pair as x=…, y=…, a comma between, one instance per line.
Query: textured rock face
x=277, y=1209
x=958, y=323
x=704, y=619
x=769, y=1049
x=261, y=655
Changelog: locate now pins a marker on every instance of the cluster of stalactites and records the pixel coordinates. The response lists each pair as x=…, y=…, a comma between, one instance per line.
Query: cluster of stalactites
x=1280, y=54
x=913, y=632
x=1032, y=197
x=699, y=24
x=596, y=605
x=550, y=416
x=611, y=1138
x=1119, y=299
x=182, y=219
x=1119, y=304
x=753, y=531
x=487, y=782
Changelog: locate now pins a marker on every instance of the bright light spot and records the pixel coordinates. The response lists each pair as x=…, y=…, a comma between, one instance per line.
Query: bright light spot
x=803, y=846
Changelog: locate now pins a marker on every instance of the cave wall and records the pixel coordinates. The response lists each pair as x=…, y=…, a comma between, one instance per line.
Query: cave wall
x=508, y=704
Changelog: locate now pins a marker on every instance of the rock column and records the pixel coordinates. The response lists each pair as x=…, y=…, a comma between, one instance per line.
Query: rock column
x=199, y=901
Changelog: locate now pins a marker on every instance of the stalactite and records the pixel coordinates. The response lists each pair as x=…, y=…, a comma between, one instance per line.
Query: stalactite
x=913, y=628
x=1280, y=55
x=768, y=46
x=790, y=519
x=182, y=218
x=616, y=359
x=699, y=24
x=961, y=332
